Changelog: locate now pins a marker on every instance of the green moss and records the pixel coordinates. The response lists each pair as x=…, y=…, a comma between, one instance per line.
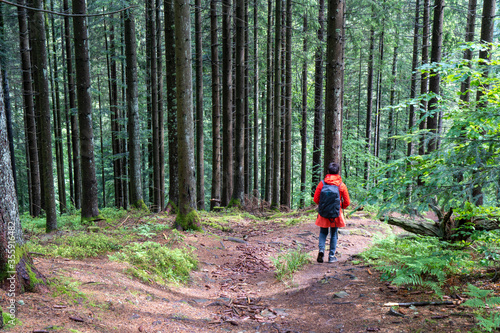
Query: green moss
x=189, y=221
x=140, y=205
x=9, y=321
x=234, y=203
x=90, y=220
x=18, y=253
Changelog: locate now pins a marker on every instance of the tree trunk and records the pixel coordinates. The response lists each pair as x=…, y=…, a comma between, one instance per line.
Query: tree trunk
x=101, y=141
x=89, y=181
x=247, y=139
x=424, y=80
x=277, y=108
x=161, y=115
x=334, y=84
x=256, y=100
x=487, y=28
x=133, y=122
x=287, y=185
x=58, y=122
x=16, y=267
x=227, y=105
x=318, y=101
x=378, y=103
x=187, y=218
x=200, y=151
x=369, y=103
x=173, y=168
x=29, y=114
x=42, y=103
x=413, y=80
x=269, y=106
x=216, y=151
x=75, y=129
x=437, y=42
x=469, y=37
x=303, y=126
x=239, y=148
x=392, y=128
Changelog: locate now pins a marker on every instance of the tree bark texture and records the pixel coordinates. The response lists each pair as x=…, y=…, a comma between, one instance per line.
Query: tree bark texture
x=227, y=104
x=42, y=103
x=413, y=80
x=303, y=125
x=75, y=129
x=277, y=108
x=269, y=107
x=469, y=37
x=89, y=181
x=256, y=92
x=287, y=176
x=200, y=151
x=369, y=103
x=334, y=83
x=29, y=114
x=171, y=91
x=133, y=127
x=161, y=114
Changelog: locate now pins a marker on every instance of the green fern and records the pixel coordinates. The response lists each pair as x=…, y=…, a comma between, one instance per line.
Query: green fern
x=481, y=300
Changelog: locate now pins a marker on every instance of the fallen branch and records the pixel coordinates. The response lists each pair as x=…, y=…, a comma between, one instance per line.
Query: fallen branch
x=422, y=303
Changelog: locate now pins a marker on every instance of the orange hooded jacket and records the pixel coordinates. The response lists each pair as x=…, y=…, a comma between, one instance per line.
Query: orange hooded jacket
x=344, y=201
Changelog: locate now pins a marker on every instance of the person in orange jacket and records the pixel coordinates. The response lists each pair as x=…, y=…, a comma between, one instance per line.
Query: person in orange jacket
x=332, y=178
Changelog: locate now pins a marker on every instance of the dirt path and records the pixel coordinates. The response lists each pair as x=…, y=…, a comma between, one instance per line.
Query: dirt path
x=235, y=290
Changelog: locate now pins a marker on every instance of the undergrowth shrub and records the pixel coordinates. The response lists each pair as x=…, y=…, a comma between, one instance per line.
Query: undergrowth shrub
x=154, y=262
x=481, y=300
x=418, y=260
x=290, y=262
x=78, y=246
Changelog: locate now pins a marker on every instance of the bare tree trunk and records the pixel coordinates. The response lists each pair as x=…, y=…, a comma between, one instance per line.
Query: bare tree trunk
x=303, y=127
x=133, y=125
x=216, y=147
x=187, y=217
x=227, y=105
x=68, y=126
x=101, y=141
x=200, y=151
x=469, y=37
x=369, y=103
x=334, y=83
x=318, y=101
x=413, y=80
x=392, y=128
x=277, y=108
x=378, y=94
x=58, y=122
x=89, y=181
x=287, y=185
x=75, y=129
x=29, y=114
x=247, y=139
x=42, y=103
x=487, y=28
x=269, y=107
x=424, y=79
x=437, y=42
x=173, y=171
x=161, y=115
x=256, y=100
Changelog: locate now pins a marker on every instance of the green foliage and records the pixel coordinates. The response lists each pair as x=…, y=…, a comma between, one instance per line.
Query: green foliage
x=111, y=214
x=190, y=221
x=290, y=262
x=79, y=245
x=67, y=287
x=422, y=261
x=10, y=321
x=482, y=299
x=153, y=262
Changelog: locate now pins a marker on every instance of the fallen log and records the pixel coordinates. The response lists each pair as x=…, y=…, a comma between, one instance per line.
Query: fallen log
x=416, y=225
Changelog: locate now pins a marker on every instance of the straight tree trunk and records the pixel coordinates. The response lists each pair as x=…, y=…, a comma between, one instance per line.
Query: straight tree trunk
x=334, y=83
x=424, y=80
x=487, y=29
x=277, y=108
x=173, y=167
x=187, y=218
x=29, y=114
x=378, y=104
x=227, y=105
x=75, y=129
x=413, y=80
x=133, y=122
x=437, y=42
x=61, y=186
x=239, y=132
x=216, y=147
x=392, y=100
x=161, y=114
x=469, y=37
x=153, y=83
x=303, y=127
x=318, y=101
x=42, y=103
x=269, y=106
x=369, y=103
x=287, y=186
x=113, y=108
x=247, y=140
x=82, y=65
x=200, y=151
x=103, y=178
x=256, y=100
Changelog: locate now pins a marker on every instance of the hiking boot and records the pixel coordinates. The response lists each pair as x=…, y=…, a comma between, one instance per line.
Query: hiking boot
x=320, y=257
x=332, y=260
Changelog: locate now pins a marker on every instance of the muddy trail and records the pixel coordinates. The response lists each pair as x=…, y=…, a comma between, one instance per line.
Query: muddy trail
x=235, y=289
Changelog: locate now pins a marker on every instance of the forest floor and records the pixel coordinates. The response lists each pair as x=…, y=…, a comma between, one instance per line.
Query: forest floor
x=235, y=288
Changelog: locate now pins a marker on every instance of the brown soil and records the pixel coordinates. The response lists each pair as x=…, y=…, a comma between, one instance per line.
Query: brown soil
x=235, y=289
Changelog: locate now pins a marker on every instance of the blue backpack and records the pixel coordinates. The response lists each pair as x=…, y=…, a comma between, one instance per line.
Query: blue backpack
x=329, y=201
